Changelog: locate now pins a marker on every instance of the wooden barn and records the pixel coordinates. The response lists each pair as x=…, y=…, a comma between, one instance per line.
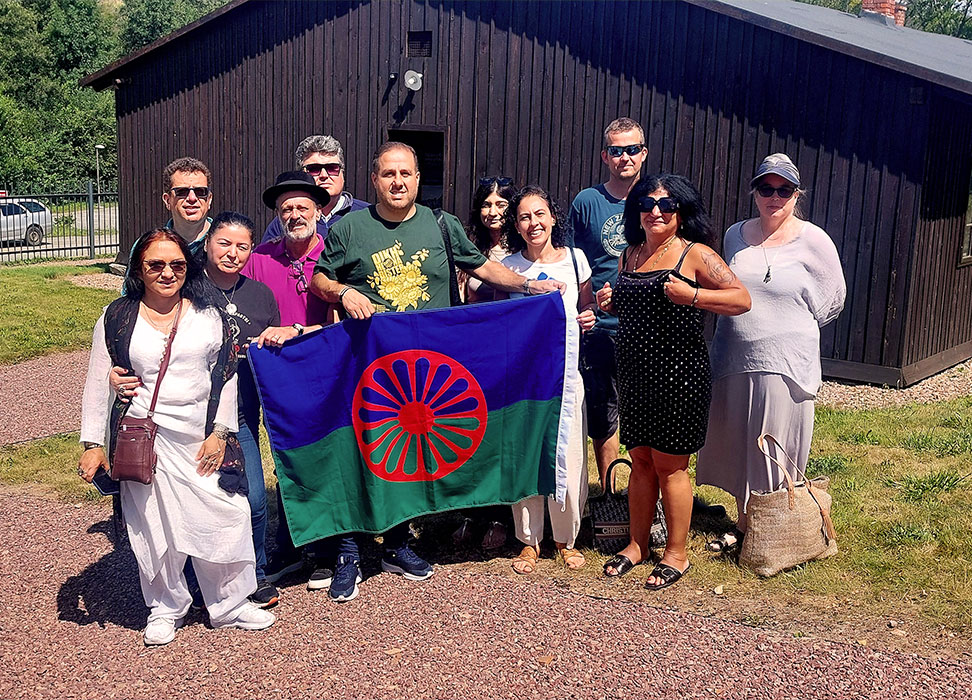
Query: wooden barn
x=877, y=117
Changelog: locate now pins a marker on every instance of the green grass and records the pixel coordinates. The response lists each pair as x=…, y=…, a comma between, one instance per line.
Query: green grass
x=42, y=312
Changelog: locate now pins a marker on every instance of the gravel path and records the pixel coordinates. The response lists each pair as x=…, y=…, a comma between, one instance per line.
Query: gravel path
x=70, y=627
x=42, y=396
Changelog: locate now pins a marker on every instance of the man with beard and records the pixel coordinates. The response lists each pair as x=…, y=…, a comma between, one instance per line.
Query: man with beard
x=392, y=256
x=286, y=265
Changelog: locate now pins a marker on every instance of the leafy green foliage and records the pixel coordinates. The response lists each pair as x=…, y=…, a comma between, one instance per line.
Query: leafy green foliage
x=49, y=124
x=928, y=486
x=951, y=17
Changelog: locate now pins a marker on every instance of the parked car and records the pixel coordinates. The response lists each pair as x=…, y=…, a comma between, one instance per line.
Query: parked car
x=24, y=220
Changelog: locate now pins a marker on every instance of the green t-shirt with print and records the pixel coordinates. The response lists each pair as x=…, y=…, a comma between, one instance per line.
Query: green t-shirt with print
x=398, y=266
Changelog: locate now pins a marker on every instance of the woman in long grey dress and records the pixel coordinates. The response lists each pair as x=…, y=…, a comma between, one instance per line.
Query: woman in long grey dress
x=766, y=363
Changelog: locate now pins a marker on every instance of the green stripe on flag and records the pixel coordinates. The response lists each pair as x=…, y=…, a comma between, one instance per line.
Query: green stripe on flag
x=328, y=489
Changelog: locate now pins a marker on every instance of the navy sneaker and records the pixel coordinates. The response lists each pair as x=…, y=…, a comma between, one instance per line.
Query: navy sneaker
x=407, y=563
x=347, y=576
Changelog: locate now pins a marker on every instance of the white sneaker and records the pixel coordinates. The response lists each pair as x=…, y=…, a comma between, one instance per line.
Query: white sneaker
x=161, y=631
x=248, y=617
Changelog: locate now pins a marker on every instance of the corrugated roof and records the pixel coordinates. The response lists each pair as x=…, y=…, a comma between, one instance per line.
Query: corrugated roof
x=943, y=60
x=940, y=59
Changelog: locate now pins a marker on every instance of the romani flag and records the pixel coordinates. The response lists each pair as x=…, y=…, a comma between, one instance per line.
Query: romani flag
x=374, y=422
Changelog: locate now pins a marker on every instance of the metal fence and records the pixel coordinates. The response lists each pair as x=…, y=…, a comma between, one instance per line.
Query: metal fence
x=66, y=225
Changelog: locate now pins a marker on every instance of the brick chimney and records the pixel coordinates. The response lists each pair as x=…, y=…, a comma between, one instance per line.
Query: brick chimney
x=889, y=8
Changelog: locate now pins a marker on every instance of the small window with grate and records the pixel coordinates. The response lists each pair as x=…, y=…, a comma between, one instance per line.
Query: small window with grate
x=967, y=238
x=419, y=45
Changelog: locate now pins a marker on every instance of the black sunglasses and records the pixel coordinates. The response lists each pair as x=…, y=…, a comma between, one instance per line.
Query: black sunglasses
x=156, y=267
x=183, y=192
x=333, y=169
x=500, y=181
x=666, y=205
x=616, y=151
x=784, y=192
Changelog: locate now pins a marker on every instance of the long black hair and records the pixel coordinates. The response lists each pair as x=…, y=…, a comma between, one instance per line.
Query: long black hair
x=692, y=215
x=478, y=233
x=559, y=234
x=195, y=287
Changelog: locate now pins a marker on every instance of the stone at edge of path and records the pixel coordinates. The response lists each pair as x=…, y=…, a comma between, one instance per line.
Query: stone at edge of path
x=42, y=396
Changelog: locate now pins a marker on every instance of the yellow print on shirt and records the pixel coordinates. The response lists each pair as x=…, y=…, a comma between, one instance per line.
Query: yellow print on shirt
x=401, y=283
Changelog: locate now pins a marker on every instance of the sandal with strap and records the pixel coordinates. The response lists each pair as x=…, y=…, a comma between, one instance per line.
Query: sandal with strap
x=621, y=565
x=573, y=559
x=667, y=574
x=495, y=536
x=526, y=561
x=726, y=543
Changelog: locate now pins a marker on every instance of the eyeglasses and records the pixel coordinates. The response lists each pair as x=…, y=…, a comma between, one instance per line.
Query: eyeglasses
x=156, y=267
x=499, y=181
x=616, y=151
x=332, y=169
x=784, y=192
x=183, y=192
x=666, y=205
x=297, y=272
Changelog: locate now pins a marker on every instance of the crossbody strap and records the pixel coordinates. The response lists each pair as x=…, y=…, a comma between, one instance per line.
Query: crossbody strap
x=573, y=259
x=453, y=278
x=165, y=360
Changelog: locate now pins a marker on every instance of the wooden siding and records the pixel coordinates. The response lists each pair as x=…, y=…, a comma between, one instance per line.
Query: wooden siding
x=941, y=313
x=525, y=89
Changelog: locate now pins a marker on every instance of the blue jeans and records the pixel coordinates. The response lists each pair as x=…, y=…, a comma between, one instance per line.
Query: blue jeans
x=249, y=437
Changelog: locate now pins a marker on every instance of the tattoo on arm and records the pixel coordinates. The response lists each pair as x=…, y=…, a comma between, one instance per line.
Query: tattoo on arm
x=718, y=270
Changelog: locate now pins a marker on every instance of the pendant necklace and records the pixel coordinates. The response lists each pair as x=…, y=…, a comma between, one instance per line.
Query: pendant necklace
x=769, y=265
x=230, y=306
x=668, y=244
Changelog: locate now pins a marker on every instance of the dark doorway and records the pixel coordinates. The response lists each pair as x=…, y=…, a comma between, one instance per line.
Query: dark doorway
x=429, y=143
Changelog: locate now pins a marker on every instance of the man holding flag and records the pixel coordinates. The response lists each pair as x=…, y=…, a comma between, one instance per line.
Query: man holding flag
x=393, y=256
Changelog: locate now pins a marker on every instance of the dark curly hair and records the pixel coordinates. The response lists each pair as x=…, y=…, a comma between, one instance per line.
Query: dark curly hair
x=693, y=218
x=559, y=235
x=478, y=233
x=195, y=287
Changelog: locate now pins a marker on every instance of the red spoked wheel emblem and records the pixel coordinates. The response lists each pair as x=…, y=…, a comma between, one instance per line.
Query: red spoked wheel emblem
x=417, y=416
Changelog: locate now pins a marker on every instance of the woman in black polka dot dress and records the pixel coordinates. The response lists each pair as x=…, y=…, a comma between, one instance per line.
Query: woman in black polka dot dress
x=667, y=277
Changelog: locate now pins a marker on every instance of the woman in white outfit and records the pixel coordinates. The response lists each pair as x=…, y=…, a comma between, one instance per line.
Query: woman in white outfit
x=194, y=507
x=766, y=363
x=537, y=239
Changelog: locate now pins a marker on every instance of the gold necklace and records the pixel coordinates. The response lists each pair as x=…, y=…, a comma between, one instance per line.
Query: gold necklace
x=668, y=244
x=164, y=330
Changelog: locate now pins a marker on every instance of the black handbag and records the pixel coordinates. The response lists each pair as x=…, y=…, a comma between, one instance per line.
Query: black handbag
x=611, y=517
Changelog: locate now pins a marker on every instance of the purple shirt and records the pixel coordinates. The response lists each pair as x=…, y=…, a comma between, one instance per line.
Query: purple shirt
x=271, y=264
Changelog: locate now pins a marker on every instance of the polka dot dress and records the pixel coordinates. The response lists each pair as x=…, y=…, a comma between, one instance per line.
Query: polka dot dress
x=664, y=384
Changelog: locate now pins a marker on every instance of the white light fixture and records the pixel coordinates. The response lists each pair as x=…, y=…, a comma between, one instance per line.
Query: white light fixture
x=413, y=80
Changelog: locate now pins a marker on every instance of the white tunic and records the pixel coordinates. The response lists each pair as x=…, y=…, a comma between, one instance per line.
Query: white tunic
x=179, y=509
x=781, y=333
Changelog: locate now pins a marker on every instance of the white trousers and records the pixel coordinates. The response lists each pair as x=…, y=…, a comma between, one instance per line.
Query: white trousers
x=224, y=587
x=565, y=518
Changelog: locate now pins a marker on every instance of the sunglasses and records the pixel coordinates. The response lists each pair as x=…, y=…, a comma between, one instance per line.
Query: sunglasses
x=297, y=272
x=666, y=205
x=616, y=151
x=156, y=267
x=332, y=169
x=784, y=192
x=183, y=192
x=499, y=181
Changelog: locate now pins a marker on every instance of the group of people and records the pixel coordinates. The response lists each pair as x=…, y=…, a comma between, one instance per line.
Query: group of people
x=633, y=264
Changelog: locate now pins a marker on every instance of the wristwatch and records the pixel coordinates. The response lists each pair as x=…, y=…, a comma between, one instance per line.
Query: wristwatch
x=89, y=445
x=526, y=286
x=299, y=328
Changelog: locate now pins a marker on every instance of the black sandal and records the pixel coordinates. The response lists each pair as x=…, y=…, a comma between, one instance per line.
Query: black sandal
x=667, y=574
x=621, y=565
x=726, y=543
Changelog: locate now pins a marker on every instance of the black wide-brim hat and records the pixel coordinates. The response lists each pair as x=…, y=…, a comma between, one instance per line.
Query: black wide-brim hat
x=295, y=181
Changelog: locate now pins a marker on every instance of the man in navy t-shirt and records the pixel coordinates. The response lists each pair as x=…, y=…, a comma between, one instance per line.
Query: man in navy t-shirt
x=597, y=219
x=322, y=157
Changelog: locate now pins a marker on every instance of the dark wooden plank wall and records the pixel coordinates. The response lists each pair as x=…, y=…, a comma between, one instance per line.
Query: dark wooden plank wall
x=525, y=89
x=941, y=316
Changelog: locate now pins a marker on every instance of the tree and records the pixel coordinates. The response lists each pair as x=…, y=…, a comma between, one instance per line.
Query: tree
x=147, y=20
x=951, y=17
